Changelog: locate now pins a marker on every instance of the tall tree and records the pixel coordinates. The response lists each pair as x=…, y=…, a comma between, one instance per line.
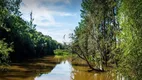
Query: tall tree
x=26, y=41
x=130, y=17
x=94, y=40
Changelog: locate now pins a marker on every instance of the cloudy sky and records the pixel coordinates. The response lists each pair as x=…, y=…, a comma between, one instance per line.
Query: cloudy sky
x=55, y=18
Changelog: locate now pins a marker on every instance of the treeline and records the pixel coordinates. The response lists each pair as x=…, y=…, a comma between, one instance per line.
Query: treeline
x=110, y=33
x=19, y=39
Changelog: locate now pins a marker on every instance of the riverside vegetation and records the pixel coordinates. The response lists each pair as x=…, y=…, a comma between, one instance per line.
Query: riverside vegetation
x=19, y=39
x=109, y=34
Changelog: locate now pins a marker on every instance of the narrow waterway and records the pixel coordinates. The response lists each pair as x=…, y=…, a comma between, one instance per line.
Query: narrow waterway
x=54, y=68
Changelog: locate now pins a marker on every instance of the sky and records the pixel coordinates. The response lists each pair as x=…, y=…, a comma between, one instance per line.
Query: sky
x=55, y=18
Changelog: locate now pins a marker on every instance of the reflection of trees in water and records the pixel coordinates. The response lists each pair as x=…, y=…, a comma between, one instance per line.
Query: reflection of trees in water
x=81, y=73
x=30, y=69
x=33, y=68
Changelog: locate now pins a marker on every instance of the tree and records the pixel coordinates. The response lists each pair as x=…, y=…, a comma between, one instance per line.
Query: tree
x=131, y=36
x=94, y=40
x=27, y=42
x=4, y=51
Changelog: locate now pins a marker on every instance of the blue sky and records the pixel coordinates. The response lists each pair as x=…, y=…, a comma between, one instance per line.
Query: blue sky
x=55, y=18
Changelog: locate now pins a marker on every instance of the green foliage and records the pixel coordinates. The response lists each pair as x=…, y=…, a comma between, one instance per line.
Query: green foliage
x=5, y=49
x=60, y=52
x=131, y=36
x=94, y=39
x=27, y=42
x=110, y=31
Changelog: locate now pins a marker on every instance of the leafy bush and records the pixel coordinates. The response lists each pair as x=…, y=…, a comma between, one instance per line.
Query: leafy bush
x=4, y=51
x=61, y=52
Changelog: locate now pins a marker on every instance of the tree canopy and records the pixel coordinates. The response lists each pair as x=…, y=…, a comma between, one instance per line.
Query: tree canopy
x=19, y=38
x=110, y=33
x=95, y=37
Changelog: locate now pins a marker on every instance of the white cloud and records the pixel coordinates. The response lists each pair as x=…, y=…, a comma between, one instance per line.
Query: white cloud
x=40, y=13
x=55, y=1
x=44, y=13
x=57, y=34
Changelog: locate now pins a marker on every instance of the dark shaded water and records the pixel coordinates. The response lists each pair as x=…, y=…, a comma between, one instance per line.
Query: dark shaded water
x=54, y=68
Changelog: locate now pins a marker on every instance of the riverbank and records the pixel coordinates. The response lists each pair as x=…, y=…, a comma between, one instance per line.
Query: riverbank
x=52, y=67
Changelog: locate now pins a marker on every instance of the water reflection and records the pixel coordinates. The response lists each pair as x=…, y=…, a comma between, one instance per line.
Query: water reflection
x=52, y=68
x=28, y=70
x=65, y=71
x=61, y=71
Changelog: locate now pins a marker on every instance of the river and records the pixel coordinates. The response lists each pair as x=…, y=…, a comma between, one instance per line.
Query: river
x=54, y=68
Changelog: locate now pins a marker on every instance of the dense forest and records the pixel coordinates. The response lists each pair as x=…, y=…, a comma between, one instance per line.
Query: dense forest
x=110, y=33
x=19, y=39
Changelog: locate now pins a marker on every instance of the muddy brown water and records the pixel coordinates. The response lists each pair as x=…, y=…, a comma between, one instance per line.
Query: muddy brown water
x=54, y=68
